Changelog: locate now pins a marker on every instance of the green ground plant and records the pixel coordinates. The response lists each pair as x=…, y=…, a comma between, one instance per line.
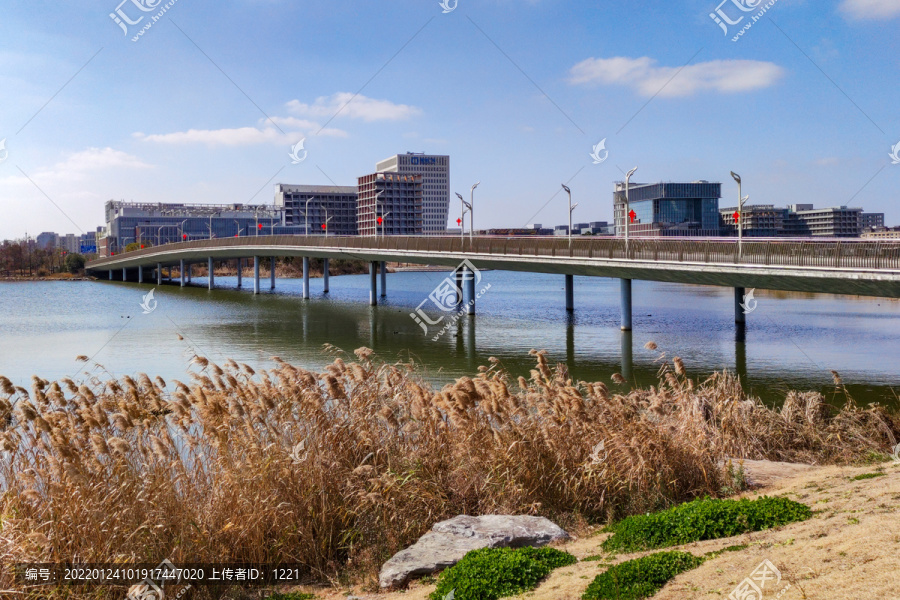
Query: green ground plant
x=706, y=519
x=641, y=577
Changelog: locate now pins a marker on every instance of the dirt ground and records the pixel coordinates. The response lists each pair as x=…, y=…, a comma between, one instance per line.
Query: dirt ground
x=849, y=550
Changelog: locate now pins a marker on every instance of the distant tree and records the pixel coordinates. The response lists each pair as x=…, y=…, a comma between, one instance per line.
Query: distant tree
x=137, y=246
x=74, y=263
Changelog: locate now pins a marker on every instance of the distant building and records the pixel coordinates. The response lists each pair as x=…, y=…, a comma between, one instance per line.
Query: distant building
x=884, y=233
x=872, y=220
x=435, y=173
x=757, y=220
x=396, y=199
x=669, y=209
x=804, y=220
x=48, y=239
x=158, y=223
x=338, y=202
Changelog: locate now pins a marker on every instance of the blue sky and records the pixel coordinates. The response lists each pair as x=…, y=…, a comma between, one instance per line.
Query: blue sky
x=206, y=105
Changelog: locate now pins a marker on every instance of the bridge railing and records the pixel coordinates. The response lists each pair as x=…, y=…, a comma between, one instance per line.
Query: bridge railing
x=849, y=254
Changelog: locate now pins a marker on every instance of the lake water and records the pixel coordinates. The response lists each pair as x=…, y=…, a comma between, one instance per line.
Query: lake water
x=791, y=340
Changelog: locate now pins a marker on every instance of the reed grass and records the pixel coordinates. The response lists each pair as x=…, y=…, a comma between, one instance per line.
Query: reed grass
x=337, y=470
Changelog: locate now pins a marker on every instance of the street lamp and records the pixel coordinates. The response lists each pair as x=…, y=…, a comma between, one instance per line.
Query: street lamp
x=327, y=218
x=384, y=222
x=571, y=208
x=181, y=228
x=238, y=225
x=158, y=235
x=627, y=211
x=464, y=207
x=377, y=200
x=472, y=211
x=741, y=200
x=306, y=214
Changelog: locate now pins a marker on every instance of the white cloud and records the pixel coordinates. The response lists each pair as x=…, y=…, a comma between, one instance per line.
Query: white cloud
x=870, y=9
x=80, y=165
x=643, y=74
x=354, y=107
x=288, y=131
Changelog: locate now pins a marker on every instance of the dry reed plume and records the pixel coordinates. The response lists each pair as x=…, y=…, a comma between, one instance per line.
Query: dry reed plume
x=337, y=470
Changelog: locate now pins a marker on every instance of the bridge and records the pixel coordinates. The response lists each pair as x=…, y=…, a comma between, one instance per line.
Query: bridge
x=855, y=267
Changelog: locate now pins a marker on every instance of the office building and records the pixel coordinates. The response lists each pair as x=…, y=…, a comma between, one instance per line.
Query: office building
x=335, y=203
x=668, y=209
x=435, y=173
x=48, y=239
x=757, y=220
x=394, y=198
x=871, y=221
x=803, y=220
x=158, y=223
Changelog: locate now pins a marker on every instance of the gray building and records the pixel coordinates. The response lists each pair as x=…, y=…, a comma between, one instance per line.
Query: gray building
x=48, y=239
x=395, y=199
x=803, y=220
x=872, y=220
x=335, y=203
x=758, y=220
x=158, y=223
x=435, y=173
x=668, y=209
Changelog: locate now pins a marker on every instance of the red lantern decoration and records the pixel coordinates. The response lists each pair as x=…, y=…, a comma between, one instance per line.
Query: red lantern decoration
x=324, y=226
x=259, y=225
x=184, y=236
x=459, y=221
x=379, y=220
x=142, y=246
x=632, y=214
x=737, y=216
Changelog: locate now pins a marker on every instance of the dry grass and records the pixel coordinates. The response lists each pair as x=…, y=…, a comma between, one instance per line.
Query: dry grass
x=338, y=470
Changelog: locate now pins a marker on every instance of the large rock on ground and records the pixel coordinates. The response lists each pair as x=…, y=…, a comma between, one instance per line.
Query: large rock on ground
x=448, y=541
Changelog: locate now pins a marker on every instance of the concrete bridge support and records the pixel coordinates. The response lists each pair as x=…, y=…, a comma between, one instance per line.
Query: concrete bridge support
x=570, y=293
x=255, y=274
x=110, y=275
x=212, y=276
x=325, y=275
x=272, y=273
x=383, y=279
x=306, y=278
x=240, y=273
x=140, y=274
x=739, y=317
x=181, y=274
x=470, y=292
x=124, y=274
x=458, y=276
x=158, y=273
x=373, y=284
x=626, y=304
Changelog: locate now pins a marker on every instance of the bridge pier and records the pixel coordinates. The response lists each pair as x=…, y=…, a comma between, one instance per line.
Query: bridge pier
x=272, y=273
x=181, y=272
x=140, y=274
x=626, y=304
x=383, y=279
x=158, y=273
x=470, y=291
x=570, y=293
x=240, y=273
x=110, y=275
x=627, y=354
x=373, y=284
x=212, y=275
x=255, y=274
x=458, y=276
x=124, y=274
x=739, y=317
x=325, y=275
x=306, y=278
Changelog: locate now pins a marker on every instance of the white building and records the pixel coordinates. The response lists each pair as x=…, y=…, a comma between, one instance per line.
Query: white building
x=435, y=172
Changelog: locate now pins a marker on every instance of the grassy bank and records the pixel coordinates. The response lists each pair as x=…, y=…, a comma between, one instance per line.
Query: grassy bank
x=338, y=470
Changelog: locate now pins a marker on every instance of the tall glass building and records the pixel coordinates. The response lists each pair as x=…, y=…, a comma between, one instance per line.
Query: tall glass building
x=435, y=172
x=669, y=209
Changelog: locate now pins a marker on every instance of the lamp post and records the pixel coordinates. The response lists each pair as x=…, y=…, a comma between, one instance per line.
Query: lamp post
x=627, y=211
x=181, y=229
x=377, y=200
x=464, y=207
x=306, y=214
x=741, y=200
x=327, y=218
x=472, y=211
x=159, y=235
x=571, y=208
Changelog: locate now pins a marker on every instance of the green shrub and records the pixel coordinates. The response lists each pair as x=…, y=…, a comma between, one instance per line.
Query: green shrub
x=699, y=520
x=867, y=476
x=641, y=577
x=492, y=573
x=292, y=596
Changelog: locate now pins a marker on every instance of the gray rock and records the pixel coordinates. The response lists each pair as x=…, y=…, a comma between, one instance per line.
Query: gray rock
x=448, y=541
